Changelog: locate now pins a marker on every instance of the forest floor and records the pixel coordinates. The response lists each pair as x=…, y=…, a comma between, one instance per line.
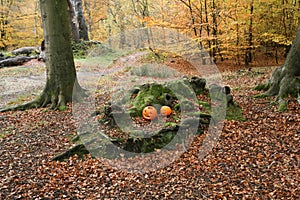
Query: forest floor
x=255, y=159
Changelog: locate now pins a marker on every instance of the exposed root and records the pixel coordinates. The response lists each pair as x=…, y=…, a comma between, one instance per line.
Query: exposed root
x=282, y=84
x=57, y=100
x=262, y=87
x=40, y=102
x=261, y=96
x=274, y=82
x=29, y=105
x=78, y=149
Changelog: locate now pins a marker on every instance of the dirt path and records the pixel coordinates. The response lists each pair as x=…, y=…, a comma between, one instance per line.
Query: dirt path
x=24, y=83
x=17, y=83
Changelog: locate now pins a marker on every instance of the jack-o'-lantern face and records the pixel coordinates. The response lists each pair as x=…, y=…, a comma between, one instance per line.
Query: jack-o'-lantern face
x=149, y=112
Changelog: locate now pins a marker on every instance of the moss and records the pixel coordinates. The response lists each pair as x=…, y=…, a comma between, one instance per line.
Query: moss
x=155, y=56
x=181, y=88
x=205, y=105
x=136, y=133
x=71, y=135
x=260, y=96
x=45, y=110
x=79, y=150
x=262, y=87
x=234, y=112
x=282, y=107
x=156, y=95
x=62, y=108
x=75, y=139
x=170, y=124
x=176, y=107
x=146, y=145
x=149, y=94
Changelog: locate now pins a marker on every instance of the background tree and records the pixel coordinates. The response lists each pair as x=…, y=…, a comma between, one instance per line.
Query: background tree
x=236, y=32
x=60, y=68
x=78, y=24
x=73, y=22
x=249, y=49
x=4, y=23
x=96, y=18
x=285, y=80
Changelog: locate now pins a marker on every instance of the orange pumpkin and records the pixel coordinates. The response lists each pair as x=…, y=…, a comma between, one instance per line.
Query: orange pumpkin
x=149, y=112
x=165, y=110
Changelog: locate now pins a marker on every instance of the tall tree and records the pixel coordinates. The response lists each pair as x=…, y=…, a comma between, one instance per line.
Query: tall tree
x=285, y=80
x=78, y=25
x=248, y=54
x=73, y=22
x=188, y=4
x=60, y=68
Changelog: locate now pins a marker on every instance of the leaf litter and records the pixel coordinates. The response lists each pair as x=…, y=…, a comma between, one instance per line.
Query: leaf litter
x=255, y=159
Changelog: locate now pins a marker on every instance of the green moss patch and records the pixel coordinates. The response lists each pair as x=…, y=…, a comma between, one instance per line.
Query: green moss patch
x=234, y=112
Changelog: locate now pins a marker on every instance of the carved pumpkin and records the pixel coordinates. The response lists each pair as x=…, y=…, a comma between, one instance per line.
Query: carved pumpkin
x=149, y=112
x=165, y=110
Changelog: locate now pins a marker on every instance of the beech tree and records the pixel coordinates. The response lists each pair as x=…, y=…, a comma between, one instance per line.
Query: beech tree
x=285, y=80
x=60, y=67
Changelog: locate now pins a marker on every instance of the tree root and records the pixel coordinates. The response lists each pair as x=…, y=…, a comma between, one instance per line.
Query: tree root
x=261, y=96
x=262, y=87
x=40, y=102
x=78, y=149
x=55, y=97
x=282, y=84
x=29, y=105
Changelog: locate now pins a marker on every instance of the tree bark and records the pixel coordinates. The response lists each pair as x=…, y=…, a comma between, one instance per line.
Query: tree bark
x=285, y=80
x=60, y=67
x=16, y=61
x=83, y=29
x=248, y=53
x=61, y=73
x=72, y=22
x=77, y=22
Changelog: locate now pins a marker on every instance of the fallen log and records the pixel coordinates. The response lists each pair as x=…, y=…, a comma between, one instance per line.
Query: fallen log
x=25, y=50
x=15, y=61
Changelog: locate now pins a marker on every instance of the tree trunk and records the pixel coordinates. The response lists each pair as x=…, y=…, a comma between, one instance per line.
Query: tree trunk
x=72, y=22
x=248, y=53
x=60, y=68
x=207, y=28
x=79, y=28
x=285, y=80
x=83, y=30
x=61, y=74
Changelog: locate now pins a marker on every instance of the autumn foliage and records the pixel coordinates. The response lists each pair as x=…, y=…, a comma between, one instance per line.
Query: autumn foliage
x=239, y=32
